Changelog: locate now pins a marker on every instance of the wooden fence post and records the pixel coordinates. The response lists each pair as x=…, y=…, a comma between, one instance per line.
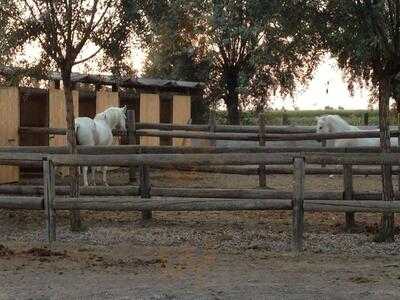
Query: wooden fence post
x=132, y=141
x=323, y=144
x=285, y=118
x=366, y=117
x=145, y=189
x=298, y=204
x=212, y=127
x=49, y=196
x=348, y=193
x=262, y=179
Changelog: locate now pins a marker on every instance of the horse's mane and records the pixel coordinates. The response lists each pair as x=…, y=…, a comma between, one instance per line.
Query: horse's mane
x=111, y=115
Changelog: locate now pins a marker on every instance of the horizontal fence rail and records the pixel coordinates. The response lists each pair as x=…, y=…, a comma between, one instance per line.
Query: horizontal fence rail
x=245, y=136
x=34, y=190
x=122, y=203
x=201, y=159
x=138, y=149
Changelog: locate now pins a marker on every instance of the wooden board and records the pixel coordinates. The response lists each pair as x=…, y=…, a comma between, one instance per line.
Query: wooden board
x=104, y=100
x=57, y=118
x=9, y=123
x=181, y=114
x=149, y=113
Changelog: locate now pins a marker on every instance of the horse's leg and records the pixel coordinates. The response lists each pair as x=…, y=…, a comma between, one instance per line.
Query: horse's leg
x=105, y=176
x=85, y=179
x=94, y=175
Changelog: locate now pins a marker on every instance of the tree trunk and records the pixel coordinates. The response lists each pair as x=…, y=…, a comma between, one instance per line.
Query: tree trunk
x=231, y=76
x=386, y=233
x=75, y=219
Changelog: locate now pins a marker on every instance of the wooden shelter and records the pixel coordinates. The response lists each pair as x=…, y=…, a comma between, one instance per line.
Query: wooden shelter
x=154, y=101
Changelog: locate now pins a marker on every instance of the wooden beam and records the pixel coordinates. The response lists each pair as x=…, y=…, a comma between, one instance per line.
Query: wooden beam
x=131, y=141
x=298, y=202
x=145, y=188
x=262, y=178
x=49, y=196
x=348, y=193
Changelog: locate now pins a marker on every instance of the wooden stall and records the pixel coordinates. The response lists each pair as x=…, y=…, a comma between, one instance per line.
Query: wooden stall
x=154, y=101
x=181, y=114
x=9, y=123
x=149, y=113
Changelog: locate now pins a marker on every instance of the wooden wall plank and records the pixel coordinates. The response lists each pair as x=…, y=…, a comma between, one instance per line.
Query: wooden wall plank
x=57, y=118
x=57, y=114
x=181, y=114
x=9, y=123
x=149, y=113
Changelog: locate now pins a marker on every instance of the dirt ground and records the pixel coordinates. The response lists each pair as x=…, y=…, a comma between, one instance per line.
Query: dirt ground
x=213, y=255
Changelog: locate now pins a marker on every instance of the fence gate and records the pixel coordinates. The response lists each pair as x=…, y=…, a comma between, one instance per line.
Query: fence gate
x=9, y=123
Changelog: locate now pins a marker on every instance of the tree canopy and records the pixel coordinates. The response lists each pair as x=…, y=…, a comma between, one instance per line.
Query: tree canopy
x=250, y=49
x=364, y=36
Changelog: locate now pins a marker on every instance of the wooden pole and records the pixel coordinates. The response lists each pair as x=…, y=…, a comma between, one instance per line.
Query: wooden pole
x=398, y=144
x=323, y=144
x=212, y=126
x=348, y=193
x=285, y=118
x=49, y=196
x=298, y=204
x=366, y=117
x=132, y=141
x=262, y=179
x=145, y=188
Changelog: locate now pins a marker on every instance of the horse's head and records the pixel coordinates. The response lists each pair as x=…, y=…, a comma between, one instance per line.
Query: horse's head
x=115, y=117
x=332, y=123
x=323, y=125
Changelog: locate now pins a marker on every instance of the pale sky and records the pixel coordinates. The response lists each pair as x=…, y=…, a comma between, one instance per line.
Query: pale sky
x=315, y=95
x=312, y=96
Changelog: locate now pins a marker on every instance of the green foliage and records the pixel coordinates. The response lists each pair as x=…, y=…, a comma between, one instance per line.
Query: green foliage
x=66, y=29
x=245, y=51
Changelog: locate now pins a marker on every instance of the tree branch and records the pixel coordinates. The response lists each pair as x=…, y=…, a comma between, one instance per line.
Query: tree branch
x=89, y=57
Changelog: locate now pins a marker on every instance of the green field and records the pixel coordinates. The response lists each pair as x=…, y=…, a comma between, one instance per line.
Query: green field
x=307, y=117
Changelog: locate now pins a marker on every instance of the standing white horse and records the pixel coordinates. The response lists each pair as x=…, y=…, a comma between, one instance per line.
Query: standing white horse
x=334, y=124
x=98, y=131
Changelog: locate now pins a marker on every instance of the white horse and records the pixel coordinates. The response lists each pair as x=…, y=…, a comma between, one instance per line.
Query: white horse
x=334, y=124
x=98, y=131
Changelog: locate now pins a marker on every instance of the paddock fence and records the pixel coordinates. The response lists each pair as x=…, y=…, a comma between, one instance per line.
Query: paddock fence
x=146, y=198
x=212, y=132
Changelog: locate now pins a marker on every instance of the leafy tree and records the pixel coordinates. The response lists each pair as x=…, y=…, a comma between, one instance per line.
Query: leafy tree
x=175, y=49
x=255, y=48
x=68, y=30
x=364, y=36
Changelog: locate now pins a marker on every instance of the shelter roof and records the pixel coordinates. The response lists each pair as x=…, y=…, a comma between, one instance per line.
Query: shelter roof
x=128, y=82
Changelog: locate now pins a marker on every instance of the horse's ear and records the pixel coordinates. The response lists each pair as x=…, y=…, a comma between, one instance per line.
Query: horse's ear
x=124, y=109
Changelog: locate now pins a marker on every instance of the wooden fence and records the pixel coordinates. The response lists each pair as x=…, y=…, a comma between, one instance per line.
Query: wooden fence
x=213, y=132
x=146, y=198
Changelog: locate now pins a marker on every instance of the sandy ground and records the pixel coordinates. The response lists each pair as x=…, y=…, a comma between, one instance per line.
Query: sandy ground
x=215, y=255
